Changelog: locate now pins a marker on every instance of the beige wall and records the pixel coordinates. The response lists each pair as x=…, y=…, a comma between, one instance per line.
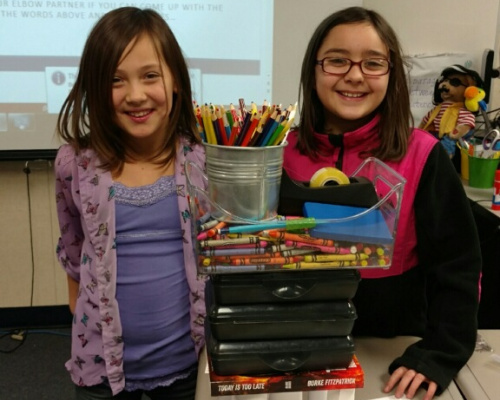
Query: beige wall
x=30, y=274
x=423, y=26
x=460, y=26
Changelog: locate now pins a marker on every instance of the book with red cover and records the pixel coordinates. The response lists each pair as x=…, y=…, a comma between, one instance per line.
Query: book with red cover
x=335, y=379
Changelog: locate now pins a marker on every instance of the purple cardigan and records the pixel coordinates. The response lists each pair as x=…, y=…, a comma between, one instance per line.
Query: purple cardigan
x=86, y=250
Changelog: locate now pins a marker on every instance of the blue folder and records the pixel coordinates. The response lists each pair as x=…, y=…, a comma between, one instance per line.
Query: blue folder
x=370, y=228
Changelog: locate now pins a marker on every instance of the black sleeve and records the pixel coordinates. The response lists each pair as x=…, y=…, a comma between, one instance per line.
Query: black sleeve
x=449, y=252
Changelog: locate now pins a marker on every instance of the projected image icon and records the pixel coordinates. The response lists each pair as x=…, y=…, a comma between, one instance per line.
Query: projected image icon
x=58, y=81
x=21, y=122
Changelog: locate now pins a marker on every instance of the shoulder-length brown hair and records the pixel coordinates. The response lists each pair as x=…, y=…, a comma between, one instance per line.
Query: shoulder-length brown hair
x=87, y=115
x=396, y=118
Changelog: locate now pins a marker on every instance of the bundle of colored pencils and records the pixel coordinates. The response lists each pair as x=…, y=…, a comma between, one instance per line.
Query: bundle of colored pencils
x=267, y=126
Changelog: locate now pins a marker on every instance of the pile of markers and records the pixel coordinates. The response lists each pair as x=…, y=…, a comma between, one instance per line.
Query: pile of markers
x=280, y=245
x=259, y=126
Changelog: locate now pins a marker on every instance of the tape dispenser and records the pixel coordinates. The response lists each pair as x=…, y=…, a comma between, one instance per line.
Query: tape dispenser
x=328, y=186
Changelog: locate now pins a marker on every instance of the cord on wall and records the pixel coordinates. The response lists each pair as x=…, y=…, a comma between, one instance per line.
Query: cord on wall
x=27, y=171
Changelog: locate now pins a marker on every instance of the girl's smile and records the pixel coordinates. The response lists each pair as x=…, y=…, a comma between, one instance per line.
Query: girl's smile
x=140, y=116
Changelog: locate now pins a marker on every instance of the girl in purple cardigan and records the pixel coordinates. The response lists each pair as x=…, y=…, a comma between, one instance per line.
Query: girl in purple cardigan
x=137, y=302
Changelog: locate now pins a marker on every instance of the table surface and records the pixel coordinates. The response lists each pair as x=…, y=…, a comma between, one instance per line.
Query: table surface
x=374, y=355
x=480, y=378
x=481, y=196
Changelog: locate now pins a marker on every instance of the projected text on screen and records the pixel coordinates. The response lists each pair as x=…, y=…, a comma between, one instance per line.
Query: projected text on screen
x=227, y=44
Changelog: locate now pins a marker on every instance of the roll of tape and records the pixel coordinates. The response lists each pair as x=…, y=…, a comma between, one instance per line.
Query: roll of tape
x=327, y=176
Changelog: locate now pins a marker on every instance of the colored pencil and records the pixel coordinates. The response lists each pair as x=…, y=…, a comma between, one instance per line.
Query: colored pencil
x=250, y=130
x=265, y=126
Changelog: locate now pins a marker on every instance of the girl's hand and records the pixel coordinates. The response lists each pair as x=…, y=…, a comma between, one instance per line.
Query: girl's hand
x=409, y=382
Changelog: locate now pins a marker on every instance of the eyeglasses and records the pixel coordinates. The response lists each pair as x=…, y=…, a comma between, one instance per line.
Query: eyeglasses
x=341, y=66
x=455, y=82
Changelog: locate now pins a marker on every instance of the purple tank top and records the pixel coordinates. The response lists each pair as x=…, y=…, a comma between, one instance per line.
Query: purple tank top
x=152, y=291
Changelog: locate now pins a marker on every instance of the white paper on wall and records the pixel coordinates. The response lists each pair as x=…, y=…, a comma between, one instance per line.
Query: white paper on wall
x=423, y=71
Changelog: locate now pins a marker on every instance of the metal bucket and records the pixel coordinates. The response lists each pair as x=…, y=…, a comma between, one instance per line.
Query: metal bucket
x=245, y=181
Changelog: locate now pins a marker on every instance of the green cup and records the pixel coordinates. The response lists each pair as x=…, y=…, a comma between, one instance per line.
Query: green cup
x=482, y=172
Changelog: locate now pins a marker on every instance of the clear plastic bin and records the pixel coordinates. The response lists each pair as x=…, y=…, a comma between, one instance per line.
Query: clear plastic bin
x=328, y=236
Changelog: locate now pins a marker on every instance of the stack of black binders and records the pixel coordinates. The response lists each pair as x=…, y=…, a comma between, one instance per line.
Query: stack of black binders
x=280, y=322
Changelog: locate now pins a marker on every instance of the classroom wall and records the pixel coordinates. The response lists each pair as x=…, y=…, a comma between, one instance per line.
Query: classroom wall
x=423, y=27
x=457, y=26
x=295, y=21
x=30, y=274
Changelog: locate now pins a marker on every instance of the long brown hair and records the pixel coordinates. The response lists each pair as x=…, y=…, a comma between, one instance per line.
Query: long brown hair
x=396, y=118
x=86, y=117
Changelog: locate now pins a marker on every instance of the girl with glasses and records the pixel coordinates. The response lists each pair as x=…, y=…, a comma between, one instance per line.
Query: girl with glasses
x=355, y=103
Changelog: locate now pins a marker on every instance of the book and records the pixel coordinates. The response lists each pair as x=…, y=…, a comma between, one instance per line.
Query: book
x=368, y=228
x=351, y=377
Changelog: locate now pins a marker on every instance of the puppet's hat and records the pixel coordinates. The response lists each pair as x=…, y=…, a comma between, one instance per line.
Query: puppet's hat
x=458, y=69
